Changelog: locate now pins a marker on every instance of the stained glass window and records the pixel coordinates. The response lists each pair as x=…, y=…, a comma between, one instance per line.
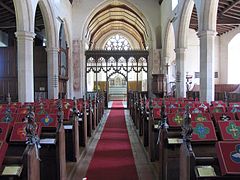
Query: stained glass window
x=117, y=42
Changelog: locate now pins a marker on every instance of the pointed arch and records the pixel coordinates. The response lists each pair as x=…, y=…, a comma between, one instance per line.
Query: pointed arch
x=181, y=40
x=148, y=31
x=23, y=16
x=49, y=22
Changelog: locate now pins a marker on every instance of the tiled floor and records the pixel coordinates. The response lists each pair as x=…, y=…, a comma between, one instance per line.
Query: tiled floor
x=146, y=169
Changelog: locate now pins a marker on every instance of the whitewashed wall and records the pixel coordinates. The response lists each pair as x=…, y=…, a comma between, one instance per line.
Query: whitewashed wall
x=223, y=54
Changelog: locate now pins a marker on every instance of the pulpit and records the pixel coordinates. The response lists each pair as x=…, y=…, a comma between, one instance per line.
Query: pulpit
x=159, y=84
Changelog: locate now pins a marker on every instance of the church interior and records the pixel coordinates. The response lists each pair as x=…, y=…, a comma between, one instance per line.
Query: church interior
x=119, y=89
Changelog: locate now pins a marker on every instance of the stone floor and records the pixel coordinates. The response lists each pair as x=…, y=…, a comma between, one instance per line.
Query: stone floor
x=146, y=169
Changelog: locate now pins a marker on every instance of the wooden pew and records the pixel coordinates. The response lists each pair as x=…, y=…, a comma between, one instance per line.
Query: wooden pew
x=46, y=115
x=89, y=116
x=72, y=134
x=82, y=123
x=20, y=161
x=52, y=152
x=204, y=160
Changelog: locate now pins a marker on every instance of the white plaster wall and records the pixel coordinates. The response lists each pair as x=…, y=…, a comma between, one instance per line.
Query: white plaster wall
x=223, y=54
x=217, y=59
x=192, y=63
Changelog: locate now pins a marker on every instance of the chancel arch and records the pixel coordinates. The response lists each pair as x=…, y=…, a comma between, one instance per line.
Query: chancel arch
x=117, y=33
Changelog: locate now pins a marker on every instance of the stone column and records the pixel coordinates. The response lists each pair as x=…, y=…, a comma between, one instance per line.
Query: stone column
x=52, y=65
x=25, y=66
x=180, y=74
x=83, y=88
x=207, y=43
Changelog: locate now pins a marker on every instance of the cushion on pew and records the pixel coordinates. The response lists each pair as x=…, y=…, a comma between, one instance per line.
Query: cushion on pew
x=3, y=106
x=234, y=104
x=201, y=117
x=233, y=109
x=196, y=110
x=22, y=110
x=230, y=130
x=203, y=131
x=15, y=104
x=43, y=111
x=223, y=116
x=156, y=113
x=228, y=154
x=65, y=111
x=48, y=120
x=21, y=117
x=19, y=134
x=175, y=120
x=67, y=105
x=12, y=109
x=3, y=118
x=217, y=109
x=3, y=150
x=177, y=110
x=4, y=128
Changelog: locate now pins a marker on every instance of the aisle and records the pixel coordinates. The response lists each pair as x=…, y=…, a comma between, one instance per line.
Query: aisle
x=113, y=158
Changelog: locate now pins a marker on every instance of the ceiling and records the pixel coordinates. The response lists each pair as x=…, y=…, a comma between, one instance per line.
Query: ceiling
x=116, y=16
x=228, y=16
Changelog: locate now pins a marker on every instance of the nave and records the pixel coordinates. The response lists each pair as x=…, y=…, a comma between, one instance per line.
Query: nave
x=115, y=169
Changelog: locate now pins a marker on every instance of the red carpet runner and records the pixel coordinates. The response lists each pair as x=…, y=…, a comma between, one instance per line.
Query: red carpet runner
x=113, y=158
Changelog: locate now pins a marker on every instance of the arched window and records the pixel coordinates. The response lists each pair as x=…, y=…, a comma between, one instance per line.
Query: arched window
x=117, y=42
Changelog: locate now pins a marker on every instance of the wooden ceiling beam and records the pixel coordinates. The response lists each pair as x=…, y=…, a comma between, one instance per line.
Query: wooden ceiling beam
x=7, y=8
x=231, y=16
x=231, y=6
x=7, y=25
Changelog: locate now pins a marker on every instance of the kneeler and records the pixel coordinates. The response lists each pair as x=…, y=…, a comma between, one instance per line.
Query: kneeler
x=203, y=131
x=175, y=120
x=203, y=149
x=19, y=134
x=224, y=116
x=216, y=109
x=200, y=117
x=8, y=119
x=229, y=130
x=228, y=153
x=47, y=120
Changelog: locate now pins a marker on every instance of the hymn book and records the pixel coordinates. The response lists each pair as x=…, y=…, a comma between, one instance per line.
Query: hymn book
x=205, y=171
x=12, y=170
